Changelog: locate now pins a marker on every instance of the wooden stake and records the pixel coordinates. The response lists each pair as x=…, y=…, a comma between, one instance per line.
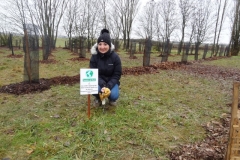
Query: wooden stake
x=89, y=106
x=234, y=117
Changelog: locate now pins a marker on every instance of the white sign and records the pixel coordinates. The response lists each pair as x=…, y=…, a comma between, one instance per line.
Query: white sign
x=88, y=81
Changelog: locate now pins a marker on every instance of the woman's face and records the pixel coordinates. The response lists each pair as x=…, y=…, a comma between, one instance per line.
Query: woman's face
x=103, y=47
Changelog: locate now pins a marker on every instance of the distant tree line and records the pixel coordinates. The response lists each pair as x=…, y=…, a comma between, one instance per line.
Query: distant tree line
x=192, y=21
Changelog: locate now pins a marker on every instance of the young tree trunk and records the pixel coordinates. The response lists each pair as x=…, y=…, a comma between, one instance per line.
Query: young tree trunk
x=10, y=43
x=235, y=33
x=27, y=53
x=185, y=53
x=197, y=44
x=46, y=47
x=180, y=47
x=220, y=26
x=215, y=31
x=165, y=51
x=205, y=51
x=147, y=52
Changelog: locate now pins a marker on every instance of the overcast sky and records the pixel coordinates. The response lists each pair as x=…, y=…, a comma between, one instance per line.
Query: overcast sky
x=226, y=29
x=225, y=35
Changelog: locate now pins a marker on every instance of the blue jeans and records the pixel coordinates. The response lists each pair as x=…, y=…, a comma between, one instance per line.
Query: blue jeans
x=113, y=95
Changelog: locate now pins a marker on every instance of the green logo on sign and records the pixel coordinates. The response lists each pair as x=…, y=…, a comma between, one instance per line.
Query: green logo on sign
x=89, y=73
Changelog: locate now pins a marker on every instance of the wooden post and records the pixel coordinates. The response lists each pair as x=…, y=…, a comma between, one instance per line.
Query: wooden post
x=89, y=106
x=234, y=117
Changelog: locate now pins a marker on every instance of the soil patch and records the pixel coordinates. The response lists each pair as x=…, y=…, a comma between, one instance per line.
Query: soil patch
x=43, y=84
x=79, y=59
x=214, y=71
x=14, y=56
x=213, y=147
x=48, y=61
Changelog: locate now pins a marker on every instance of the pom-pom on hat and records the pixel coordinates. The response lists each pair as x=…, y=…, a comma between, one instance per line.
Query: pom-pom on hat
x=104, y=37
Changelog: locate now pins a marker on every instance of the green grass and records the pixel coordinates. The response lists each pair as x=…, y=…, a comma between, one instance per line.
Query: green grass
x=155, y=113
x=61, y=42
x=232, y=62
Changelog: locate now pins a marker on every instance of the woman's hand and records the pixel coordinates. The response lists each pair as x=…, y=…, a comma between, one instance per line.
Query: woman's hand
x=105, y=93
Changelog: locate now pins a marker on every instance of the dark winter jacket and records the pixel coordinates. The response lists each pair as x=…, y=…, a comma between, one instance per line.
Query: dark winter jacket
x=109, y=67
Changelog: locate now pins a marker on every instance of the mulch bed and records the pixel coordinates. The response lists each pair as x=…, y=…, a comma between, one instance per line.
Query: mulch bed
x=213, y=147
x=48, y=61
x=43, y=84
x=15, y=56
x=79, y=59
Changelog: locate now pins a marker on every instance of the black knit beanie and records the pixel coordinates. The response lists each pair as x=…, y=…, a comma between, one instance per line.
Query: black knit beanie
x=104, y=37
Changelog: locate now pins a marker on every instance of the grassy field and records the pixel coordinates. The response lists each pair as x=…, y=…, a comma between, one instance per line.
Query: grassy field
x=155, y=112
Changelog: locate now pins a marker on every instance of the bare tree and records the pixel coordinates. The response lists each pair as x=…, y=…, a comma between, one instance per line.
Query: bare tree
x=222, y=20
x=159, y=30
x=93, y=20
x=186, y=9
x=147, y=21
x=20, y=16
x=81, y=18
x=106, y=16
x=48, y=15
x=88, y=20
x=202, y=23
x=221, y=7
x=168, y=20
x=126, y=10
x=69, y=18
x=94, y=30
x=5, y=27
x=3, y=37
x=235, y=46
x=104, y=10
x=115, y=23
x=16, y=15
x=115, y=27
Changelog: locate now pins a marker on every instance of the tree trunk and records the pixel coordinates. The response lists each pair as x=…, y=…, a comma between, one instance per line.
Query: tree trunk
x=197, y=44
x=165, y=51
x=223, y=13
x=235, y=33
x=185, y=53
x=215, y=31
x=147, y=52
x=180, y=47
x=46, y=47
x=27, y=53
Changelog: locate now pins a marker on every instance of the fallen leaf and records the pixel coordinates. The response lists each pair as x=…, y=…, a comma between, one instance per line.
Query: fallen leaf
x=105, y=132
x=108, y=139
x=29, y=151
x=66, y=144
